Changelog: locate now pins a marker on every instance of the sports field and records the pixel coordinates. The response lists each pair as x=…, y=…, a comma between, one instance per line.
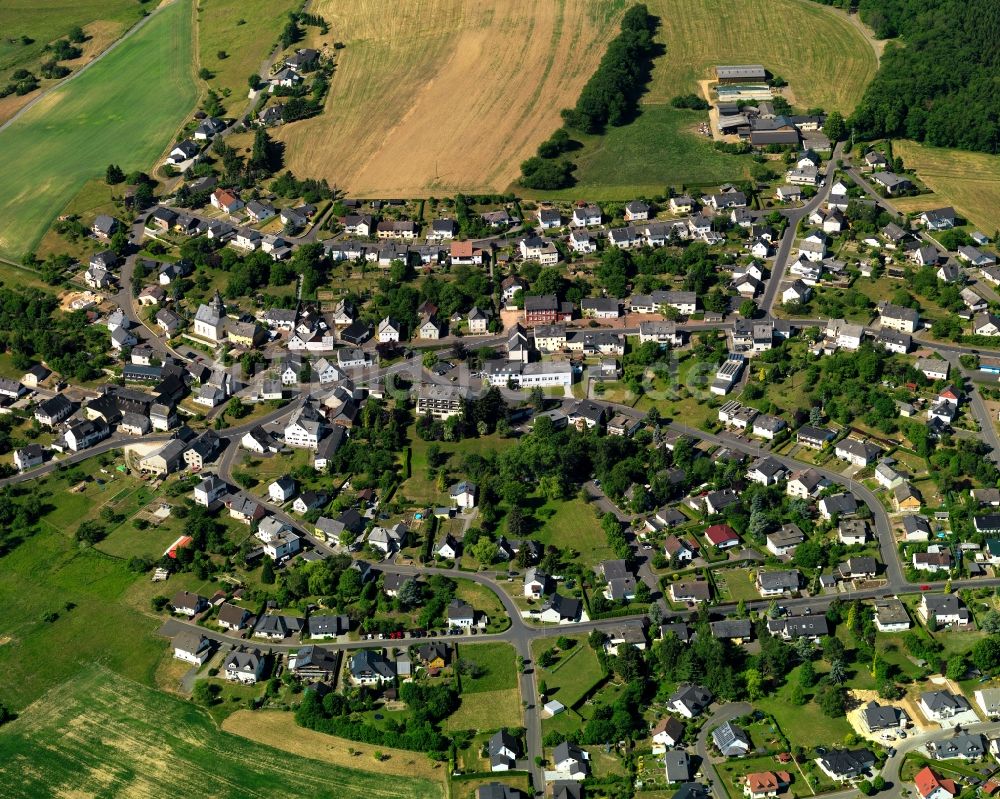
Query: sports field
x=125, y=109
x=441, y=95
x=826, y=60
x=968, y=181
x=102, y=735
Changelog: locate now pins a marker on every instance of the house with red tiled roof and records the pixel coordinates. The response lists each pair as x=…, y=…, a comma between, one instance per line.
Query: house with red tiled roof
x=931, y=786
x=722, y=536
x=761, y=784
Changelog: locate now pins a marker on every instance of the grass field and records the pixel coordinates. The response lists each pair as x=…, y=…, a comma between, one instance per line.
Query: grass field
x=968, y=181
x=487, y=710
x=804, y=726
x=497, y=664
x=484, y=84
x=660, y=148
x=278, y=729
x=574, y=525
x=246, y=31
x=42, y=576
x=825, y=59
x=125, y=109
x=46, y=22
x=736, y=584
x=101, y=735
x=419, y=488
x=574, y=674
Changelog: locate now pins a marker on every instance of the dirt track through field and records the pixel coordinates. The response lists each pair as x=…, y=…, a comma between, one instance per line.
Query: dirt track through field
x=440, y=95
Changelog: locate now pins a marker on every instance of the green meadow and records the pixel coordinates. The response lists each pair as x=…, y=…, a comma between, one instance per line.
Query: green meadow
x=124, y=109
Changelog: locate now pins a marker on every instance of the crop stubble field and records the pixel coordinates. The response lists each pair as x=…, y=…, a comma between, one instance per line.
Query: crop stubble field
x=450, y=96
x=442, y=95
x=102, y=735
x=125, y=109
x=968, y=181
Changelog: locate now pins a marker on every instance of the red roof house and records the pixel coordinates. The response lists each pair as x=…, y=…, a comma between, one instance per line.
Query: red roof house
x=931, y=786
x=722, y=536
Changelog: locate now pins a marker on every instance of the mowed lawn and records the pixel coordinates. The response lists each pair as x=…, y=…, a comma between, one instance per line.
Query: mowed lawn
x=102, y=735
x=574, y=674
x=968, y=181
x=491, y=700
x=125, y=109
x=826, y=60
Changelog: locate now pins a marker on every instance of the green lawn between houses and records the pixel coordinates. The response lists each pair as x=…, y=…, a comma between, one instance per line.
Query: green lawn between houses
x=125, y=109
x=574, y=674
x=499, y=671
x=99, y=734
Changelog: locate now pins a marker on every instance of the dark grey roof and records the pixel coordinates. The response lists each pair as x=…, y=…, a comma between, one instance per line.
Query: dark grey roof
x=847, y=762
x=732, y=628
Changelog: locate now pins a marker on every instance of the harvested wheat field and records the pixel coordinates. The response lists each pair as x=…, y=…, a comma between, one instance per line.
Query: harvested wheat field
x=826, y=59
x=278, y=729
x=968, y=181
x=102, y=735
x=432, y=96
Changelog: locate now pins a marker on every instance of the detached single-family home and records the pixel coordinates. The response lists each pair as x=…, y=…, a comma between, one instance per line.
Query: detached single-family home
x=845, y=764
x=689, y=700
x=859, y=453
x=931, y=786
x=244, y=666
x=942, y=705
x=731, y=740
x=941, y=610
x=765, y=784
x=191, y=647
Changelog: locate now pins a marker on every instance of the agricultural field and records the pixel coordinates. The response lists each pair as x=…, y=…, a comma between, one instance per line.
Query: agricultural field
x=484, y=84
x=387, y=138
x=125, y=109
x=84, y=589
x=968, y=181
x=102, y=21
x=244, y=31
x=826, y=60
x=278, y=729
x=100, y=734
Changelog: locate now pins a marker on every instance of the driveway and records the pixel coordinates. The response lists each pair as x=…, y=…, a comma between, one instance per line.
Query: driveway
x=721, y=715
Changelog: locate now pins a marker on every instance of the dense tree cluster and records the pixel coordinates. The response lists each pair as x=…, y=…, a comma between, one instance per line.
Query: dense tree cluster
x=691, y=101
x=940, y=87
x=611, y=94
x=32, y=329
x=610, y=97
x=335, y=714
